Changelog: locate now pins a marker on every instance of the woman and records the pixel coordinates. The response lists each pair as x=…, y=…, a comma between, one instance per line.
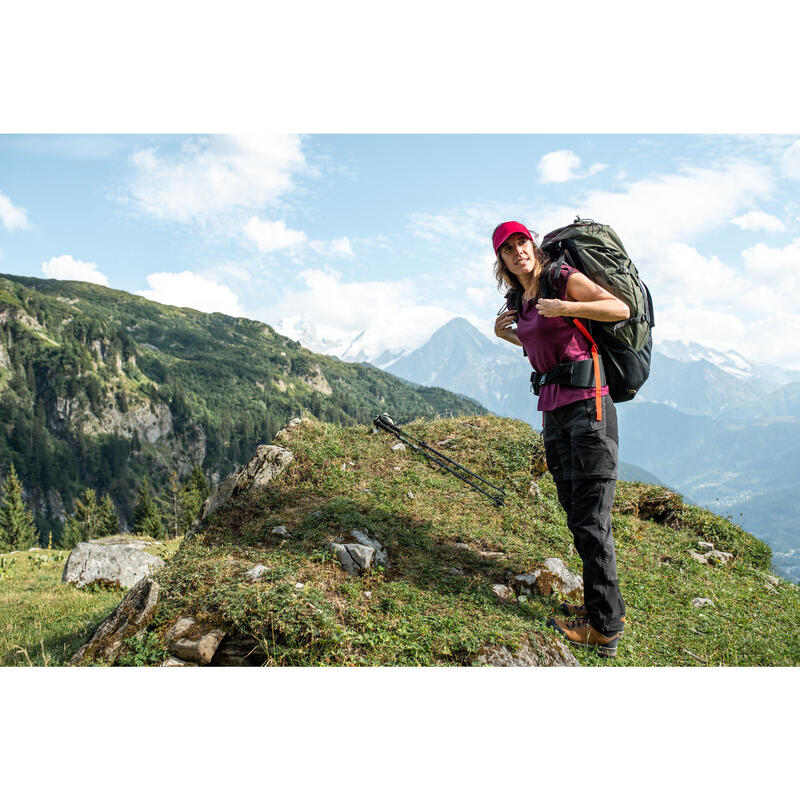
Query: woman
x=579, y=430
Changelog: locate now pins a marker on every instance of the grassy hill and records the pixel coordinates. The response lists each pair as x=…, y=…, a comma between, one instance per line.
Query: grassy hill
x=447, y=546
x=99, y=387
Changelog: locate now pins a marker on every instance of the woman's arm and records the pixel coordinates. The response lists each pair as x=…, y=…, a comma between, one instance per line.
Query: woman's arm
x=587, y=300
x=503, y=329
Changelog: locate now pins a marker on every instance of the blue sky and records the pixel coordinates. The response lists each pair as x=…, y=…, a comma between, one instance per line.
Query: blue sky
x=325, y=236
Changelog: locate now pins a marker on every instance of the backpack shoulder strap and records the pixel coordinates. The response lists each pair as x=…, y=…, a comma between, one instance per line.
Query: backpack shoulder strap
x=547, y=281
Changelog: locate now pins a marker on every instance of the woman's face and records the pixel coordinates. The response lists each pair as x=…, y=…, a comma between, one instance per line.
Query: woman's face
x=517, y=254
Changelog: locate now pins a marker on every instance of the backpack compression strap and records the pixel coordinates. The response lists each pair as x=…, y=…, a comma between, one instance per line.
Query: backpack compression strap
x=598, y=403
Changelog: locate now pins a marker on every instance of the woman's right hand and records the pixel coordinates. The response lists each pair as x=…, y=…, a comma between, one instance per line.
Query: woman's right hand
x=503, y=325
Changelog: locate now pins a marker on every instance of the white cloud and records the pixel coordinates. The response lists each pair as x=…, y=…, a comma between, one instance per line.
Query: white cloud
x=335, y=248
x=213, y=175
x=188, y=290
x=759, y=220
x=13, y=217
x=390, y=312
x=67, y=268
x=269, y=236
x=716, y=329
x=790, y=162
x=562, y=165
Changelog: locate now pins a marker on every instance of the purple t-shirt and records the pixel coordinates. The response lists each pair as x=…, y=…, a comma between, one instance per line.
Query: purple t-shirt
x=549, y=341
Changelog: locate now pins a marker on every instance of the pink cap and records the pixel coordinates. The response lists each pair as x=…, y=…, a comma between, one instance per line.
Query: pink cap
x=502, y=232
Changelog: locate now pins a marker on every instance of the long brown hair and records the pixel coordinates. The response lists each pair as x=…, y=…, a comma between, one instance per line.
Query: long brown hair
x=507, y=280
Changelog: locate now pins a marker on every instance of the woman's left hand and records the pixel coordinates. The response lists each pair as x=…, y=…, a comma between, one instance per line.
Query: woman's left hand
x=551, y=308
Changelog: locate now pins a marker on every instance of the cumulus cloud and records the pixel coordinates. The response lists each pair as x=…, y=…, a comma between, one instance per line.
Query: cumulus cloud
x=790, y=162
x=271, y=235
x=335, y=248
x=562, y=165
x=13, y=217
x=389, y=312
x=759, y=221
x=188, y=290
x=67, y=268
x=214, y=175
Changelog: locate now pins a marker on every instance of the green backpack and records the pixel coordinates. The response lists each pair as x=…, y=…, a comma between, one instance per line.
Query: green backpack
x=597, y=252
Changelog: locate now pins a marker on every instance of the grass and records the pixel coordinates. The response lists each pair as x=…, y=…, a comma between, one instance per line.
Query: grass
x=417, y=612
x=43, y=621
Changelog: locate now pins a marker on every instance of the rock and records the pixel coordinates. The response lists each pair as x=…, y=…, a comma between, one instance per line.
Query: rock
x=121, y=564
x=363, y=555
x=552, y=577
x=503, y=592
x=705, y=546
x=774, y=580
x=299, y=585
x=176, y=662
x=362, y=537
x=719, y=557
x=462, y=546
x=345, y=559
x=698, y=557
x=192, y=641
x=257, y=573
x=136, y=610
x=455, y=571
x=534, y=490
x=398, y=446
x=280, y=530
x=267, y=463
x=368, y=595
x=315, y=514
x=238, y=650
x=410, y=495
x=702, y=602
x=538, y=651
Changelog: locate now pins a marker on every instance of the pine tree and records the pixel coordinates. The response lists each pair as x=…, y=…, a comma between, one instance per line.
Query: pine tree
x=172, y=495
x=194, y=491
x=17, y=530
x=146, y=518
x=109, y=521
x=85, y=522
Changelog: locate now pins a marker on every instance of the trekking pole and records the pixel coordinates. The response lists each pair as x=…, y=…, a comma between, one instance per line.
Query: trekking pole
x=385, y=422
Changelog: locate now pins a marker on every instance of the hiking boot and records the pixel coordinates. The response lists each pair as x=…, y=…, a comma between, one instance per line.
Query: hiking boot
x=580, y=632
x=570, y=610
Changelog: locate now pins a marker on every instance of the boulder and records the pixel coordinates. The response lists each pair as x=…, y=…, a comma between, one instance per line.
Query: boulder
x=553, y=576
x=345, y=559
x=719, y=557
x=362, y=537
x=136, y=610
x=267, y=463
x=538, y=651
x=121, y=562
x=192, y=641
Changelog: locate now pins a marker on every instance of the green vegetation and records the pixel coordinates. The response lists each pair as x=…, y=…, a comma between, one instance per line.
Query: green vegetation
x=100, y=388
x=17, y=531
x=447, y=546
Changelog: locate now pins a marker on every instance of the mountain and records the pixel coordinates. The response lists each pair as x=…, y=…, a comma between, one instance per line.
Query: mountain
x=263, y=579
x=99, y=387
x=713, y=425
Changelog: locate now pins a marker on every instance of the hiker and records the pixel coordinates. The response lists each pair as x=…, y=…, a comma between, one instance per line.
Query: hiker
x=579, y=424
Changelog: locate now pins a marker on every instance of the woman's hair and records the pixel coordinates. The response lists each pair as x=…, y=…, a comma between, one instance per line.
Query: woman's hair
x=507, y=280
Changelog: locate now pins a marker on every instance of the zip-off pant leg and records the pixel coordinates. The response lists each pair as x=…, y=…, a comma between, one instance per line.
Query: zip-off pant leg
x=582, y=456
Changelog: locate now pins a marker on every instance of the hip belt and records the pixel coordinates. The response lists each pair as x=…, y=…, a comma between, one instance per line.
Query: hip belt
x=580, y=374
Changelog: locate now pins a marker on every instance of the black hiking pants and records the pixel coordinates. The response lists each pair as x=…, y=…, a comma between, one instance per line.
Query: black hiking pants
x=582, y=455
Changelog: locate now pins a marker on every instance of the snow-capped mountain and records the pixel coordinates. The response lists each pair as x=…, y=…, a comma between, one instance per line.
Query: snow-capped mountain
x=769, y=376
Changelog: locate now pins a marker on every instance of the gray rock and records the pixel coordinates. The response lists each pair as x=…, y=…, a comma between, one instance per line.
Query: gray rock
x=267, y=463
x=345, y=558
x=315, y=514
x=176, y=662
x=503, y=592
x=280, y=530
x=362, y=537
x=191, y=641
x=719, y=557
x=410, y=495
x=136, y=610
x=399, y=446
x=455, y=571
x=699, y=557
x=363, y=555
x=774, y=580
x=257, y=573
x=552, y=577
x=539, y=651
x=702, y=602
x=122, y=564
x=705, y=546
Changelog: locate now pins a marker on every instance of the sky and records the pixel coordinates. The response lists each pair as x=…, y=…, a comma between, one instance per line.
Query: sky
x=326, y=236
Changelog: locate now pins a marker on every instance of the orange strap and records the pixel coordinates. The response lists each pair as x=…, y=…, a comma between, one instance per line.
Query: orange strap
x=598, y=403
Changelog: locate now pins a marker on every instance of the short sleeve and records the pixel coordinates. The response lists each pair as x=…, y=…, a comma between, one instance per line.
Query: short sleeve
x=563, y=278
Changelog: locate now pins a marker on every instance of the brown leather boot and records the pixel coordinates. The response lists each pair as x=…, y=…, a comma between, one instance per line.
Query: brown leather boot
x=580, y=632
x=570, y=610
